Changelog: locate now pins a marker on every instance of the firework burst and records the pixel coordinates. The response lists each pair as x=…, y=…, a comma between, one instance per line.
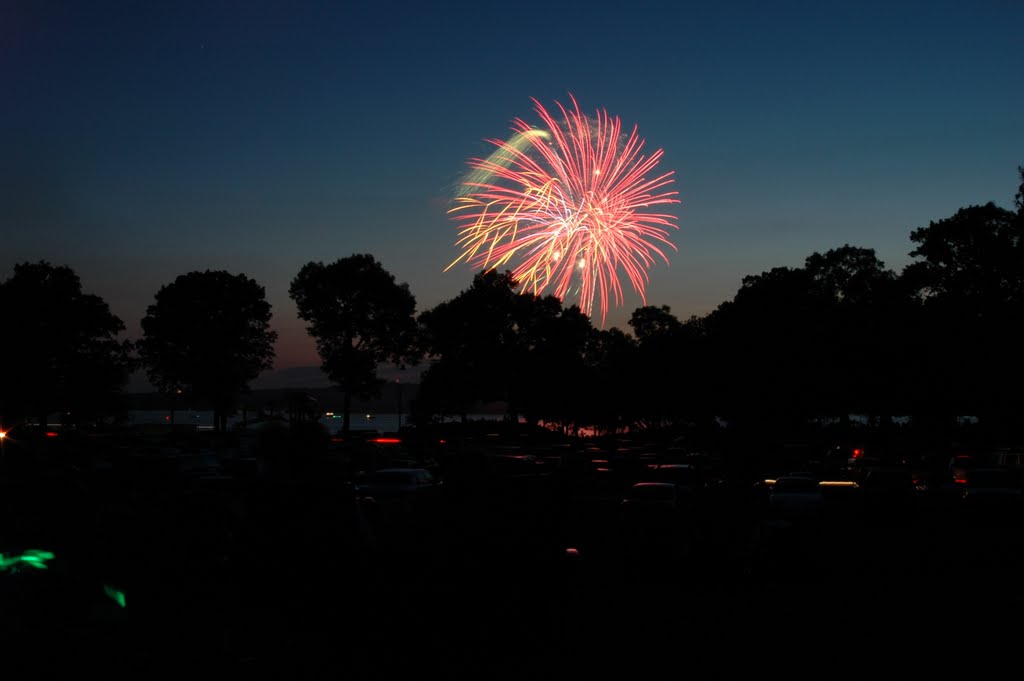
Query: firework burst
x=567, y=207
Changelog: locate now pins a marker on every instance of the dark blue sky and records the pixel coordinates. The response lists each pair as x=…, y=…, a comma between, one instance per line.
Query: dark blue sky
x=139, y=141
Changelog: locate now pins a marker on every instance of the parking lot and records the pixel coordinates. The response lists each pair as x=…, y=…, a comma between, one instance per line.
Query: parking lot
x=535, y=568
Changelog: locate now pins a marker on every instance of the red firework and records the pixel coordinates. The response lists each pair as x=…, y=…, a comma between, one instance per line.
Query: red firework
x=567, y=206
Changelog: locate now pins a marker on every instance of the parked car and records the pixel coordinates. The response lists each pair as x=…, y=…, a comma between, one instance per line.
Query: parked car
x=653, y=496
x=397, y=484
x=655, y=517
x=1010, y=457
x=890, y=491
x=958, y=467
x=994, y=496
x=795, y=496
x=685, y=477
x=653, y=503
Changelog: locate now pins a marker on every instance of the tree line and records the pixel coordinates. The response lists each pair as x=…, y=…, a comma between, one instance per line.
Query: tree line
x=842, y=334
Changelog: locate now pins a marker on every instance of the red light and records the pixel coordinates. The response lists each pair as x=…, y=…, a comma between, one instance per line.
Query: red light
x=443, y=442
x=51, y=433
x=960, y=481
x=386, y=440
x=857, y=453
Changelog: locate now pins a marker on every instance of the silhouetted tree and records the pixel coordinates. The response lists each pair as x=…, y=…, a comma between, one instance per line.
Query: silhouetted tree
x=445, y=390
x=58, y=346
x=360, y=317
x=473, y=342
x=492, y=343
x=208, y=333
x=970, y=279
x=550, y=375
x=972, y=258
x=824, y=340
x=862, y=326
x=763, y=345
x=655, y=324
x=661, y=357
x=609, y=392
x=677, y=356
x=850, y=276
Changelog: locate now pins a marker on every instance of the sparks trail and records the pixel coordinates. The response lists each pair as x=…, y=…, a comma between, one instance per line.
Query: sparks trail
x=567, y=206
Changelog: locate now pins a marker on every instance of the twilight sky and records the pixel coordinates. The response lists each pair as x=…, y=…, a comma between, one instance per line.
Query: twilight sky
x=143, y=140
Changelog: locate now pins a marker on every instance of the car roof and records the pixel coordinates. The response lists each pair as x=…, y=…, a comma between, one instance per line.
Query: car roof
x=798, y=483
x=889, y=471
x=651, y=491
x=987, y=476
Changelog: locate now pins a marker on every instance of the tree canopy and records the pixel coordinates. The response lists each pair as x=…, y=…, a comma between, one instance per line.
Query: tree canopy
x=970, y=278
x=208, y=334
x=360, y=317
x=974, y=257
x=493, y=344
x=817, y=340
x=60, y=346
x=470, y=341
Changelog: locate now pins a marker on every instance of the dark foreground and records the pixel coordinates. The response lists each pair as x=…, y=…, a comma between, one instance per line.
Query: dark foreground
x=523, y=564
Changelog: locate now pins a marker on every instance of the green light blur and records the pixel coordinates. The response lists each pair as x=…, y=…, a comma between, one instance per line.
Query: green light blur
x=116, y=594
x=34, y=558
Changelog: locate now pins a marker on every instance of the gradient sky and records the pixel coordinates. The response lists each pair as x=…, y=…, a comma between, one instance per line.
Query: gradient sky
x=143, y=140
